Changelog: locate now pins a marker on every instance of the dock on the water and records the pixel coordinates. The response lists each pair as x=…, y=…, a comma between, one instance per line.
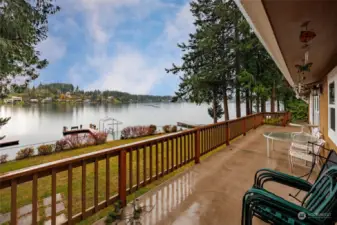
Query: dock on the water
x=8, y=143
x=79, y=131
x=187, y=125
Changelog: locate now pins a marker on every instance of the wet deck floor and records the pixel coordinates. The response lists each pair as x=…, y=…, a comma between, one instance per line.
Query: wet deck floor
x=211, y=192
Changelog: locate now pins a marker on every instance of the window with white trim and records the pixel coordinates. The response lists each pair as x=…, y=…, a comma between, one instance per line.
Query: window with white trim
x=332, y=108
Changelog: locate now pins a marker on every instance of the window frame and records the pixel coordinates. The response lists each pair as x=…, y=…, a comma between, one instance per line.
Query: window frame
x=332, y=133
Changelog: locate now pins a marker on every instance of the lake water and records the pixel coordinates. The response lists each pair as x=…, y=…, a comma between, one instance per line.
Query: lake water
x=44, y=123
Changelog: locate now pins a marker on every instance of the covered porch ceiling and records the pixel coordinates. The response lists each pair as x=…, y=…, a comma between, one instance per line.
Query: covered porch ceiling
x=278, y=25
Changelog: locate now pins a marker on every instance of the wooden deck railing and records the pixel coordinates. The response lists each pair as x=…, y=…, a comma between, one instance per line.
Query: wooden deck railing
x=138, y=165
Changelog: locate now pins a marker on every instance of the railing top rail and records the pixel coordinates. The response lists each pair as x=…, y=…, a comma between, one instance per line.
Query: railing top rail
x=110, y=151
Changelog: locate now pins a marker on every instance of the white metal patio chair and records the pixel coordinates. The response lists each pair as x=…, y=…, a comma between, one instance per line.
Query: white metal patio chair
x=314, y=132
x=303, y=154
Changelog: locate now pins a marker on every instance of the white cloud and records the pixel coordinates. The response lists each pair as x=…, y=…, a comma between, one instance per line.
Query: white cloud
x=53, y=48
x=129, y=71
x=178, y=29
x=125, y=68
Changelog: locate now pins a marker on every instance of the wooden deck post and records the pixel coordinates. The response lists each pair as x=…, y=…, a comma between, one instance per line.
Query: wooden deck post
x=285, y=119
x=254, y=121
x=122, y=176
x=197, y=146
x=227, y=133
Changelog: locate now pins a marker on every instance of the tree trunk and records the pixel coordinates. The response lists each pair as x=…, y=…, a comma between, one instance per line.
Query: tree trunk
x=225, y=106
x=263, y=105
x=278, y=105
x=238, y=102
x=257, y=104
x=247, y=103
x=215, y=118
x=237, y=70
x=272, y=100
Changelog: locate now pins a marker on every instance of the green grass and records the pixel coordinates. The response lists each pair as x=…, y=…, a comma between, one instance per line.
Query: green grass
x=24, y=195
x=37, y=160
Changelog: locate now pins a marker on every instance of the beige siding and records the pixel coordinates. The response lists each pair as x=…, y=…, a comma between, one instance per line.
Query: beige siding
x=324, y=115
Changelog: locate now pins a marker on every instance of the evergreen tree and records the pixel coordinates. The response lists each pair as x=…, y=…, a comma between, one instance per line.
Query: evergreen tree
x=23, y=24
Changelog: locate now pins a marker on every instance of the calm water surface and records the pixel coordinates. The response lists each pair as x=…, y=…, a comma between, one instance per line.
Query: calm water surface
x=44, y=123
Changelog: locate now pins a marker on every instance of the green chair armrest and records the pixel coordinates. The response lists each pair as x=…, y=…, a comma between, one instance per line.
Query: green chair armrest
x=265, y=175
x=259, y=197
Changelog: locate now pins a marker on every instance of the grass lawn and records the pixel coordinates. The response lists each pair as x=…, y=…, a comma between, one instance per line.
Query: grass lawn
x=24, y=192
x=37, y=160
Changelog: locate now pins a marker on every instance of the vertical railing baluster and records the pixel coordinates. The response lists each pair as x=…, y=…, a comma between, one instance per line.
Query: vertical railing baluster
x=186, y=147
x=203, y=141
x=157, y=163
x=14, y=190
x=53, y=197
x=172, y=154
x=162, y=157
x=167, y=155
x=84, y=181
x=227, y=133
x=181, y=151
x=122, y=176
x=70, y=194
x=130, y=171
x=96, y=185
x=208, y=139
x=197, y=146
x=144, y=165
x=151, y=162
x=138, y=169
x=107, y=179
x=177, y=152
x=34, y=200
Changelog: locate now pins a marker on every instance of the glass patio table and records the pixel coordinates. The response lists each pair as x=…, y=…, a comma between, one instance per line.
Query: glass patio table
x=298, y=137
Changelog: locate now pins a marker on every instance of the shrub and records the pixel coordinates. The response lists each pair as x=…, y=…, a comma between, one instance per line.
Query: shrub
x=273, y=121
x=137, y=131
x=298, y=109
x=73, y=141
x=166, y=128
x=3, y=158
x=25, y=153
x=153, y=129
x=61, y=145
x=45, y=149
x=170, y=129
x=126, y=133
x=100, y=137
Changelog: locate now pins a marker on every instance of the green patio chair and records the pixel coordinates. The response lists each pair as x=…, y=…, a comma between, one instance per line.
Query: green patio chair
x=265, y=175
x=319, y=205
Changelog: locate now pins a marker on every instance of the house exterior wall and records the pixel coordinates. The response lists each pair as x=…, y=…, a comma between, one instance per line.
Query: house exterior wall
x=324, y=123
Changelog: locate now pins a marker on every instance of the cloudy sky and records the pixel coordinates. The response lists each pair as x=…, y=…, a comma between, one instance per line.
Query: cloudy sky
x=116, y=44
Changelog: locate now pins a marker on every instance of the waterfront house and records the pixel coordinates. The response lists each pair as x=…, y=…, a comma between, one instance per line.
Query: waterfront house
x=34, y=100
x=68, y=94
x=47, y=100
x=13, y=99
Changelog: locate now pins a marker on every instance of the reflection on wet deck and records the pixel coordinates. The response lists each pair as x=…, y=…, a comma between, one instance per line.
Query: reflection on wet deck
x=167, y=198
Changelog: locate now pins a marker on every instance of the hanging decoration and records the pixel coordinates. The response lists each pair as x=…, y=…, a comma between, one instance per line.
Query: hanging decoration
x=303, y=68
x=306, y=35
